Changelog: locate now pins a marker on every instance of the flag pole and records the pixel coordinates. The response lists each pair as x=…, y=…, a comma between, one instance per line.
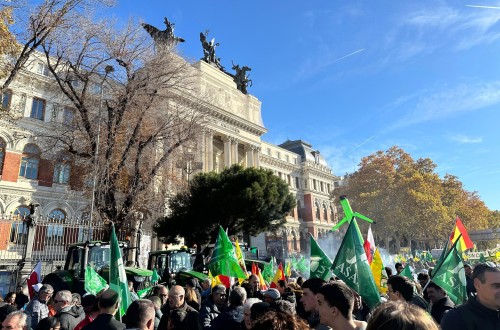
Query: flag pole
x=447, y=254
x=441, y=263
x=26, y=278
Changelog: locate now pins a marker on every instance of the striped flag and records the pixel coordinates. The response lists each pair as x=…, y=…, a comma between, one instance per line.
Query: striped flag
x=117, y=275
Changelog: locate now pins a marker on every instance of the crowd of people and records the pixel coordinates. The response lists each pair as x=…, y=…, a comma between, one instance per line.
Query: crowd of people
x=291, y=304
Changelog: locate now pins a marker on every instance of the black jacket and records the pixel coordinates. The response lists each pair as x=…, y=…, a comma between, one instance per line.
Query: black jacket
x=471, y=316
x=440, y=307
x=230, y=319
x=69, y=318
x=191, y=320
x=104, y=322
x=208, y=312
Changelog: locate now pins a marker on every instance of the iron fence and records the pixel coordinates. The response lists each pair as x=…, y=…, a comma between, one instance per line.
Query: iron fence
x=52, y=236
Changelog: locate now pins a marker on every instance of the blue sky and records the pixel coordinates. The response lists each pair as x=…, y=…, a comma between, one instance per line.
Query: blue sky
x=354, y=77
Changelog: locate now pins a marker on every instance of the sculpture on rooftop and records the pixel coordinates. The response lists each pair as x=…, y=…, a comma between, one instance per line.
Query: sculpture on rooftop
x=209, y=50
x=241, y=78
x=165, y=38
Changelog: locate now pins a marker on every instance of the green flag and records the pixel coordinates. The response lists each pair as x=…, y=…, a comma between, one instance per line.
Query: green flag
x=451, y=276
x=117, y=275
x=223, y=261
x=407, y=272
x=351, y=266
x=267, y=272
x=320, y=263
x=94, y=283
x=294, y=263
x=302, y=265
x=155, y=277
x=144, y=292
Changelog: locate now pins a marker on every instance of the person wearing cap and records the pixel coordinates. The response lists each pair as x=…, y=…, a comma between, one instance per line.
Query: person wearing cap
x=213, y=306
x=37, y=308
x=271, y=295
x=482, y=311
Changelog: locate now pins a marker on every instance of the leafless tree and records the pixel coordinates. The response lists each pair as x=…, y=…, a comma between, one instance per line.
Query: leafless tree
x=36, y=24
x=133, y=111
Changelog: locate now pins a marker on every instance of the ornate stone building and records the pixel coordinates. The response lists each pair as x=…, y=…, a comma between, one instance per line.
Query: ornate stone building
x=231, y=136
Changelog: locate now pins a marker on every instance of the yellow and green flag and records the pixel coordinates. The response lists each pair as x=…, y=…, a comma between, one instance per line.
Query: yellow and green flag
x=379, y=273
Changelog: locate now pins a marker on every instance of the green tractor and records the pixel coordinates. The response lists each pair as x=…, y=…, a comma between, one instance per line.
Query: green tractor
x=97, y=254
x=174, y=265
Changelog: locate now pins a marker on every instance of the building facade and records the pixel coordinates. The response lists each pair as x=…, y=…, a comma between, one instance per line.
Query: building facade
x=232, y=135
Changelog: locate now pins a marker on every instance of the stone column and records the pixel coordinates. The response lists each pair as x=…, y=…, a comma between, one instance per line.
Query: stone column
x=209, y=138
x=203, y=144
x=235, y=151
x=227, y=151
x=256, y=157
x=249, y=155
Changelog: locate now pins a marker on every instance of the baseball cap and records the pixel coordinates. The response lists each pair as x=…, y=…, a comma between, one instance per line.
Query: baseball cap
x=272, y=293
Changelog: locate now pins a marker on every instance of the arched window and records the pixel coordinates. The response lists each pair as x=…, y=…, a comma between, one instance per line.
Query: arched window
x=55, y=229
x=3, y=145
x=317, y=211
x=30, y=161
x=325, y=213
x=19, y=230
x=62, y=170
x=6, y=99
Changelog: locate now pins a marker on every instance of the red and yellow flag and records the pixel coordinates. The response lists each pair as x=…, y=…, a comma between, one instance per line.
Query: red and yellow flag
x=465, y=242
x=280, y=275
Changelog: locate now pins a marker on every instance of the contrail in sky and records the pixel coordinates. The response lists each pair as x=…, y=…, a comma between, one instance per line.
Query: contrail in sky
x=486, y=7
x=359, y=145
x=358, y=51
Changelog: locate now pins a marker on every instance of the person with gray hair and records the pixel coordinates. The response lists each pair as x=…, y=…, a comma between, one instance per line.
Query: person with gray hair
x=37, y=308
x=68, y=314
x=213, y=306
x=206, y=285
x=232, y=317
x=247, y=320
x=140, y=315
x=15, y=320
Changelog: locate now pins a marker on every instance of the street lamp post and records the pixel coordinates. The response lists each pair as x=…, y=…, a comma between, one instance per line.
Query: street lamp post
x=108, y=69
x=189, y=165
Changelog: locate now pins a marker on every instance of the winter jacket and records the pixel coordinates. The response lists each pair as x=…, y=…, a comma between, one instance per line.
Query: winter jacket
x=208, y=312
x=191, y=321
x=35, y=311
x=69, y=317
x=230, y=319
x=440, y=307
x=471, y=316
